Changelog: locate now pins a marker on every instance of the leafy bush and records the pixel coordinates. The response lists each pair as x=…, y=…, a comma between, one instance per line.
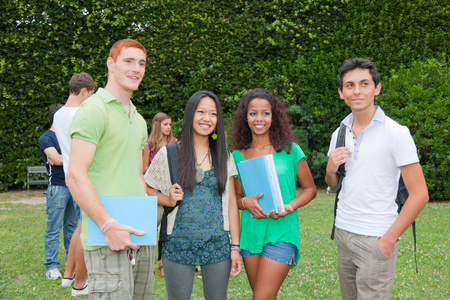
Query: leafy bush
x=419, y=98
x=293, y=48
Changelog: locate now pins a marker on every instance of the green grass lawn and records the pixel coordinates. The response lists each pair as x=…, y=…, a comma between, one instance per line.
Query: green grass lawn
x=22, y=275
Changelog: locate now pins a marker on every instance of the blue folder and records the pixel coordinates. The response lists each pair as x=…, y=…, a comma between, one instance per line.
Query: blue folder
x=256, y=178
x=138, y=212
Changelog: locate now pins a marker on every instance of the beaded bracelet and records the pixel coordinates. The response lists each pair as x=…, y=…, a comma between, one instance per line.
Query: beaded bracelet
x=233, y=248
x=108, y=224
x=243, y=203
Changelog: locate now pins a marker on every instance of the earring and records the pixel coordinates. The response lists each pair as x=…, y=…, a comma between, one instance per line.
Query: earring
x=214, y=136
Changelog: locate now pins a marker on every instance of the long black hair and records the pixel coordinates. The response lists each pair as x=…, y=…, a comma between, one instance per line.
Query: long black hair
x=219, y=152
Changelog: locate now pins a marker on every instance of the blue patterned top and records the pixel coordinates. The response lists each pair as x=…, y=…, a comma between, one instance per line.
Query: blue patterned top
x=198, y=237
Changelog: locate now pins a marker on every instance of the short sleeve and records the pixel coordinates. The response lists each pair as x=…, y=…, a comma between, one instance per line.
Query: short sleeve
x=89, y=122
x=297, y=153
x=45, y=142
x=333, y=141
x=144, y=131
x=403, y=147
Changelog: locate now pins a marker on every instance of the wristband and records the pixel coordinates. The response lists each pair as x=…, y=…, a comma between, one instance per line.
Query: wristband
x=108, y=224
x=243, y=205
x=234, y=248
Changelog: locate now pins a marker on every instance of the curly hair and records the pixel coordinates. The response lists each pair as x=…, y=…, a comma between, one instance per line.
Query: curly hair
x=280, y=134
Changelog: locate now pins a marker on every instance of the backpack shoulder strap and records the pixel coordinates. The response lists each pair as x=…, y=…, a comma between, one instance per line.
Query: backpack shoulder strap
x=172, y=157
x=402, y=196
x=340, y=142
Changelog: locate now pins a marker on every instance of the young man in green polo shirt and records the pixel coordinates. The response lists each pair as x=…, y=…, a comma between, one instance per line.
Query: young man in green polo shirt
x=108, y=136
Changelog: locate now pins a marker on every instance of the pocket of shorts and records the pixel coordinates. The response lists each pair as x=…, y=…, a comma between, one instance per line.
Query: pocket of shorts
x=104, y=282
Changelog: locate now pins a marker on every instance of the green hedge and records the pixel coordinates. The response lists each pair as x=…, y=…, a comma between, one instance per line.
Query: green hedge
x=292, y=47
x=419, y=98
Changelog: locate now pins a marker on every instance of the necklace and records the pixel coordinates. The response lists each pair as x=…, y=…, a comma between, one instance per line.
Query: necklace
x=253, y=149
x=199, y=173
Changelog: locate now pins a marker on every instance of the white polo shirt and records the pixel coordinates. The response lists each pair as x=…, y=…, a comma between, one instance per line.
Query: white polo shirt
x=367, y=198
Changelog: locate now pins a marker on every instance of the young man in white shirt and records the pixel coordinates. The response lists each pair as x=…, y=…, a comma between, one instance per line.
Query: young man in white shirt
x=81, y=87
x=377, y=150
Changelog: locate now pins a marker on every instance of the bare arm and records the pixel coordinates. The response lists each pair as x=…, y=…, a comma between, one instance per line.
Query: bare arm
x=142, y=170
x=239, y=193
x=175, y=194
x=337, y=157
x=250, y=203
x=145, y=158
x=81, y=156
x=418, y=197
x=233, y=216
x=54, y=158
x=308, y=193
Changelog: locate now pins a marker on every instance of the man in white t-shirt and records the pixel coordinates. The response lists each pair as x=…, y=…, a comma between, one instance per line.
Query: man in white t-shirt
x=377, y=150
x=81, y=87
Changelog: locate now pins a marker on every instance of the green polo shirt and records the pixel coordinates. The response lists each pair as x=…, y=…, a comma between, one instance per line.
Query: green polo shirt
x=116, y=167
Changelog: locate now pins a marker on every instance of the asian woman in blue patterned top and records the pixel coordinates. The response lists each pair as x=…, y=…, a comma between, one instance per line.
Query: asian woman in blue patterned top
x=204, y=228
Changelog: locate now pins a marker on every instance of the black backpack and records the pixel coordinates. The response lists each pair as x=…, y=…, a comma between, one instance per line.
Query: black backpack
x=402, y=193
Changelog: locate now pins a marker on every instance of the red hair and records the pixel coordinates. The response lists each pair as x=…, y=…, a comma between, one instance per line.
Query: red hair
x=125, y=43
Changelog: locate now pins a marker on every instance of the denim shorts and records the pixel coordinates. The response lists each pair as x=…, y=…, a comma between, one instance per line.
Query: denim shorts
x=280, y=252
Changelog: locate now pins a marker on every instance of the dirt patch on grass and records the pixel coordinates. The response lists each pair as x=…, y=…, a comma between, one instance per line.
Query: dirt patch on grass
x=19, y=196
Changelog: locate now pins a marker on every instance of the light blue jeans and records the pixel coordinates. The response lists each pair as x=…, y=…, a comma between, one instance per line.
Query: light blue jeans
x=60, y=212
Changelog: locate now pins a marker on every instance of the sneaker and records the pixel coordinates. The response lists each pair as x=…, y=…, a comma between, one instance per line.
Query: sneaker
x=53, y=274
x=80, y=292
x=67, y=281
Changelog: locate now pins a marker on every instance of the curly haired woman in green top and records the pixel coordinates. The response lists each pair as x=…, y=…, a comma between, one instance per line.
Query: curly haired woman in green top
x=269, y=242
